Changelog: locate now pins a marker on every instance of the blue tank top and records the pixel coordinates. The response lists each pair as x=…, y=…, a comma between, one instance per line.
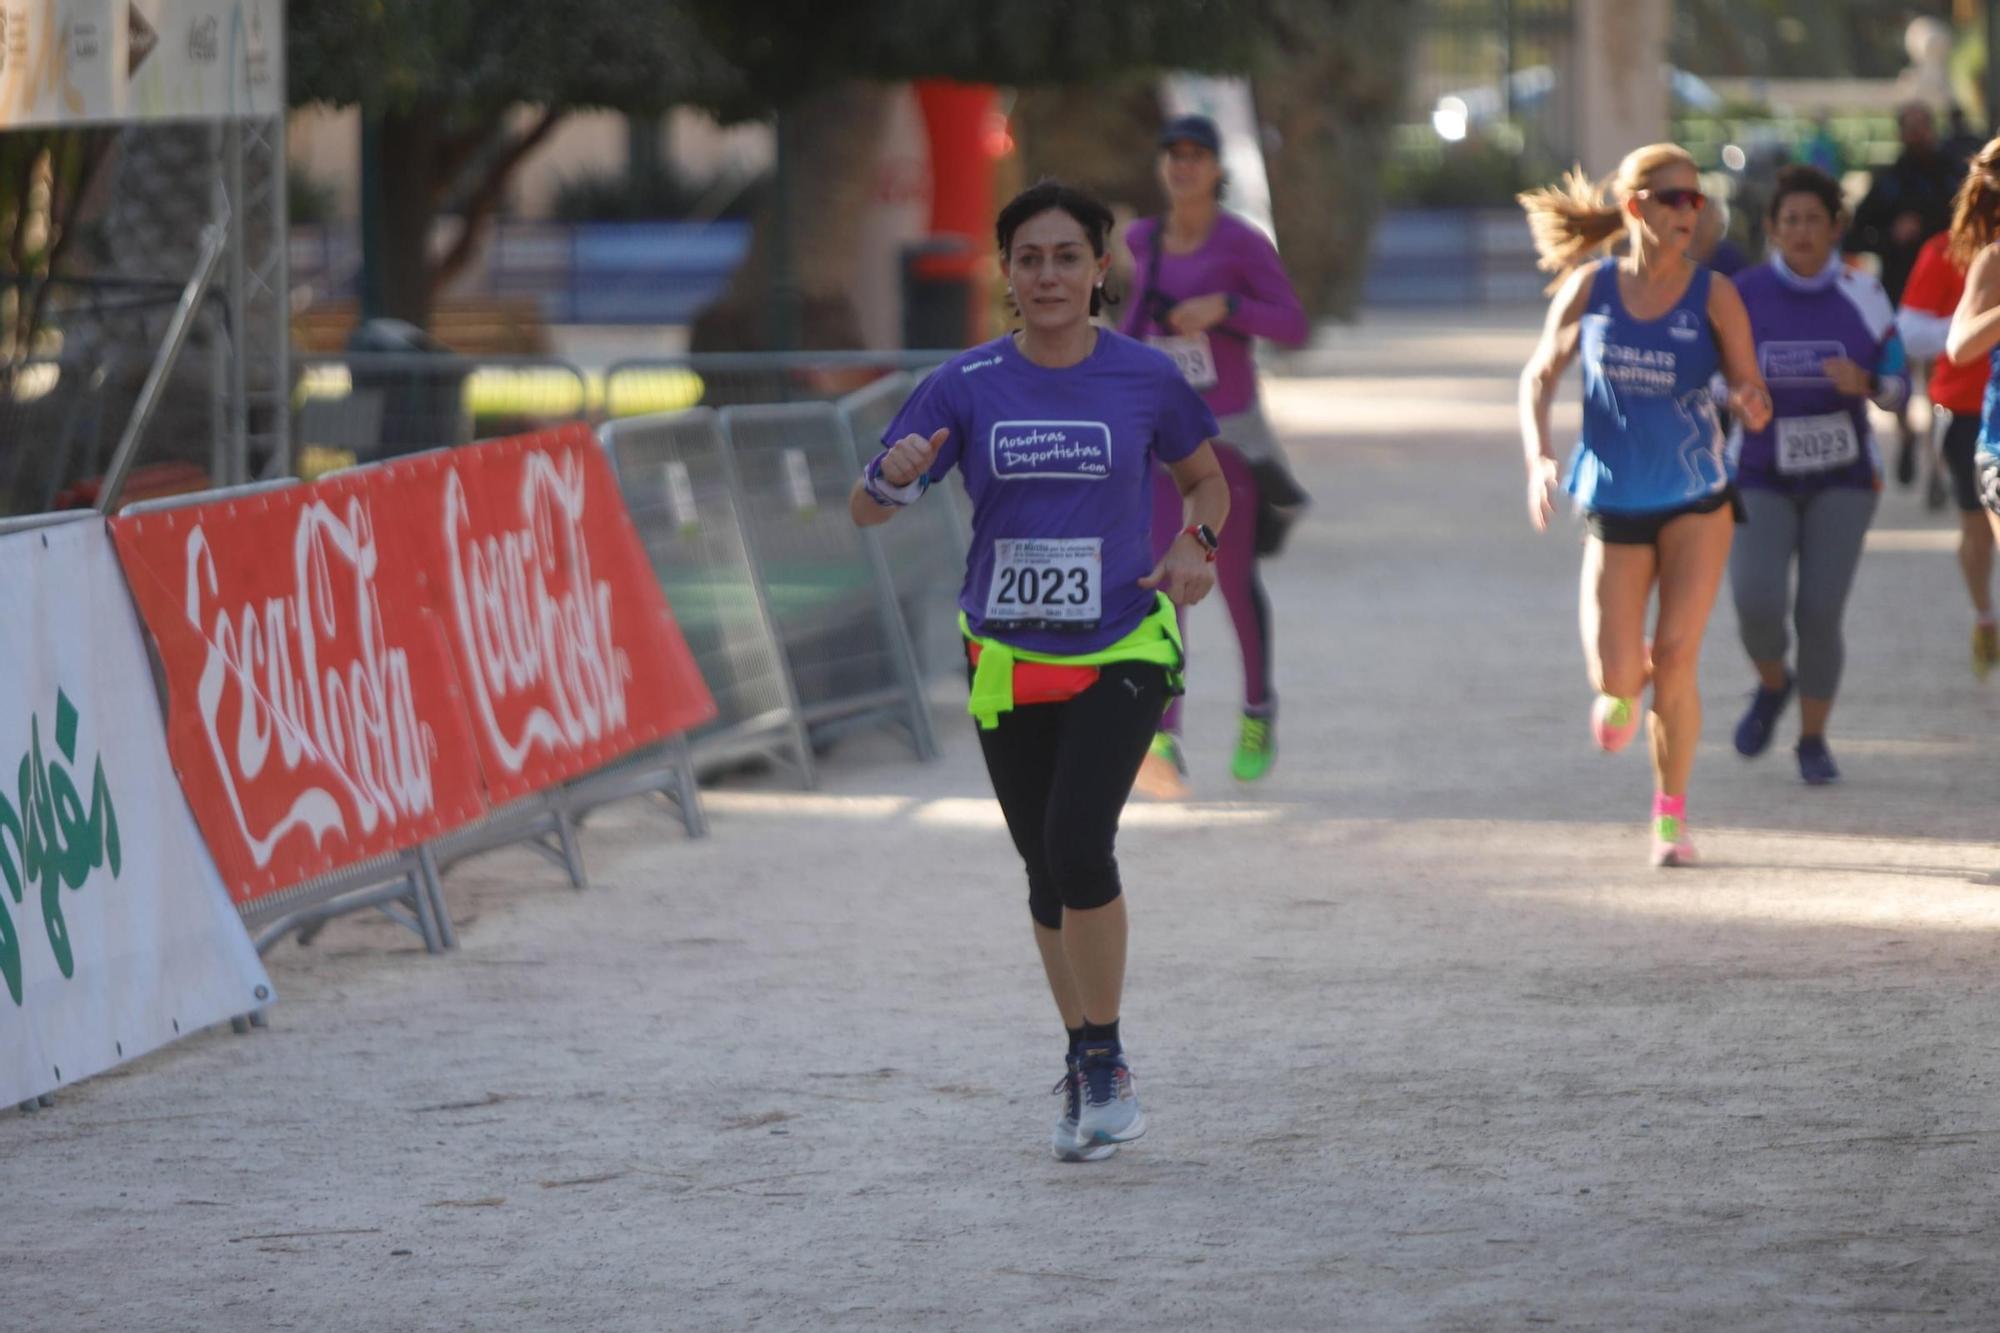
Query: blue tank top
x=1651, y=439
x=1989, y=410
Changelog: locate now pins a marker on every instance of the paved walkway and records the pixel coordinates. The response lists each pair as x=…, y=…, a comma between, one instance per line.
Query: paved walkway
x=1424, y=1044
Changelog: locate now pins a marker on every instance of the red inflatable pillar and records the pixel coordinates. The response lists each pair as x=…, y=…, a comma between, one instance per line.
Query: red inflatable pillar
x=967, y=134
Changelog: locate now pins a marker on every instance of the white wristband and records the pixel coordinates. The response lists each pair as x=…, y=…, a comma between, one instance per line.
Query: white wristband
x=883, y=493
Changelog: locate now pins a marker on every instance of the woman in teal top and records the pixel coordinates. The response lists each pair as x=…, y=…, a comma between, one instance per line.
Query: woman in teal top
x=1652, y=326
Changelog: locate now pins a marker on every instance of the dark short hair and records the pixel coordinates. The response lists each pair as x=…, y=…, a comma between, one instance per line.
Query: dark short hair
x=1039, y=198
x=1799, y=178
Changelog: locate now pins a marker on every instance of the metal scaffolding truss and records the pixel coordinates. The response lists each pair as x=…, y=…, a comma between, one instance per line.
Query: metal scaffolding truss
x=192, y=206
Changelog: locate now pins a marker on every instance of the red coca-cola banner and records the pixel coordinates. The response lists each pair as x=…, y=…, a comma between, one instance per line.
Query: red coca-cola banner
x=313, y=713
x=566, y=651
x=356, y=666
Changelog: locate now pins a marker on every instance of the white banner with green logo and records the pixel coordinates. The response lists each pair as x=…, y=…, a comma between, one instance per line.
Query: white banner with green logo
x=116, y=935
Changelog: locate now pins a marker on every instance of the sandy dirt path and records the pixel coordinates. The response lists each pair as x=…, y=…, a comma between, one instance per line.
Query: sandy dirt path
x=1424, y=1043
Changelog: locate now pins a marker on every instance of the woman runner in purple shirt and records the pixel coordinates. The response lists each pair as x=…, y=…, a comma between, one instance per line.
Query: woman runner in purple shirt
x=1069, y=620
x=1208, y=283
x=1827, y=345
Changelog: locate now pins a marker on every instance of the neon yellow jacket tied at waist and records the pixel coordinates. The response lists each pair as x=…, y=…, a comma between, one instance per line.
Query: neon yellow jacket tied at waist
x=1156, y=639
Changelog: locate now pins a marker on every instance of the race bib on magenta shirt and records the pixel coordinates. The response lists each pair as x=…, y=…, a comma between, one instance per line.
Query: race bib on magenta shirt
x=1192, y=356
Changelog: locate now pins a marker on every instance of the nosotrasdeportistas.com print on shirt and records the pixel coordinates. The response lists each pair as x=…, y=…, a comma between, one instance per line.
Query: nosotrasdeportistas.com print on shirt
x=1051, y=450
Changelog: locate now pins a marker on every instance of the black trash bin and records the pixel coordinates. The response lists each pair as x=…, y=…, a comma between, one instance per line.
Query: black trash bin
x=418, y=381
x=939, y=274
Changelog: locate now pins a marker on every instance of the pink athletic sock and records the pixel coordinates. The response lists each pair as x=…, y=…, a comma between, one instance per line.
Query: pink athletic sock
x=1664, y=804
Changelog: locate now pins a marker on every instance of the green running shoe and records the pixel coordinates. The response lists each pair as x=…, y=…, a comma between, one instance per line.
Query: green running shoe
x=1256, y=748
x=1163, y=772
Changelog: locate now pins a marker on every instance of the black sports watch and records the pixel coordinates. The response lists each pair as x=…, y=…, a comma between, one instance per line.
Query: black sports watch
x=1204, y=534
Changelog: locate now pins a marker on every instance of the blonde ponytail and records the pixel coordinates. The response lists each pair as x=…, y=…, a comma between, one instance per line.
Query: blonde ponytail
x=1570, y=222
x=1975, y=212
x=1575, y=219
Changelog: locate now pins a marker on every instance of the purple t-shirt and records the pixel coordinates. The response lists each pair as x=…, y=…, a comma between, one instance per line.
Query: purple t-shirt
x=1818, y=436
x=1235, y=259
x=1057, y=464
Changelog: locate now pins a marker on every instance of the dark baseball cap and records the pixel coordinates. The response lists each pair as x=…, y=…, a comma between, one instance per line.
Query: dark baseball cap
x=1197, y=130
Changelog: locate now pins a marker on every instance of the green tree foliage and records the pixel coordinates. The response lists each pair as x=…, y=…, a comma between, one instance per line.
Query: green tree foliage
x=788, y=49
x=1783, y=39
x=446, y=81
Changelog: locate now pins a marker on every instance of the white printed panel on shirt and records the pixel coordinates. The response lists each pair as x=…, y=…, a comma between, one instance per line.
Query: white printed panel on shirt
x=1801, y=361
x=1050, y=450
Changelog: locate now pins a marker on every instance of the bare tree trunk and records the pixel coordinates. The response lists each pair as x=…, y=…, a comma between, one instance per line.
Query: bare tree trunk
x=834, y=142
x=1098, y=137
x=1331, y=91
x=408, y=159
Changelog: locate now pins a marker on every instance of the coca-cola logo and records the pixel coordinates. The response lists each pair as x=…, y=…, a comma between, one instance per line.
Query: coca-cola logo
x=311, y=681
x=534, y=625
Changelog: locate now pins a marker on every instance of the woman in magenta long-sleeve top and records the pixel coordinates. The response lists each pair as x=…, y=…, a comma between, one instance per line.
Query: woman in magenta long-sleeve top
x=1207, y=284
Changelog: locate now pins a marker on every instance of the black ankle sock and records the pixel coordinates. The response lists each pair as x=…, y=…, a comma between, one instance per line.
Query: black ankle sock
x=1075, y=1037
x=1091, y=1034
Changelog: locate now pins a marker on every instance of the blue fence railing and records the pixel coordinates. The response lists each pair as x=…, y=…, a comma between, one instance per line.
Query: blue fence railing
x=585, y=273
x=1456, y=257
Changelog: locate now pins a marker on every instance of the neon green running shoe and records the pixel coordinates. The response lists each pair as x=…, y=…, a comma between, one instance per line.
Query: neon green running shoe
x=1163, y=772
x=1671, y=844
x=1256, y=748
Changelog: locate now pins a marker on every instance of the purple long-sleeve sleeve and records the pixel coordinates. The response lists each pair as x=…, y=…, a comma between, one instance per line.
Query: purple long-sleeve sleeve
x=1235, y=260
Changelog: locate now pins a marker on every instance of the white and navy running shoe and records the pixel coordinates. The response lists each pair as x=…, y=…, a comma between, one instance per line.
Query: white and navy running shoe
x=1068, y=1146
x=1110, y=1112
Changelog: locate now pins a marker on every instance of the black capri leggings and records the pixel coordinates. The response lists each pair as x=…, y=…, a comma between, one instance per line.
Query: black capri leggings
x=1062, y=773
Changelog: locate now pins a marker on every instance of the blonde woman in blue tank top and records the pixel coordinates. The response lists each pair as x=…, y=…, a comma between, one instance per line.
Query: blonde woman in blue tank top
x=1652, y=327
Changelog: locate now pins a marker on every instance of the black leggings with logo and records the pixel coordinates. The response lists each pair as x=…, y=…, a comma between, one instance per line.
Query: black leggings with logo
x=1062, y=773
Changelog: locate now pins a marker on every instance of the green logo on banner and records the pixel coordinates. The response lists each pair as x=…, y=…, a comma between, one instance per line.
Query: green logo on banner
x=55, y=843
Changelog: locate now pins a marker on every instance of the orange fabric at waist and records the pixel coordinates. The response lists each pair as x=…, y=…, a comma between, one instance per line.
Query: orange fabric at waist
x=1044, y=682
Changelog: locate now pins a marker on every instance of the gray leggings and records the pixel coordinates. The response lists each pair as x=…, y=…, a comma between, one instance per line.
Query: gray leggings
x=1824, y=530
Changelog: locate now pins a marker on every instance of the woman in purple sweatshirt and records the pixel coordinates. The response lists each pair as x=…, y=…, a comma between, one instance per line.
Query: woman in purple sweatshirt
x=1827, y=345
x=1208, y=282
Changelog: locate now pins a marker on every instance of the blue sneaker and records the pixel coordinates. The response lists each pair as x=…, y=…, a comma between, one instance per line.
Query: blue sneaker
x=1068, y=1146
x=1816, y=761
x=1753, y=733
x=1110, y=1112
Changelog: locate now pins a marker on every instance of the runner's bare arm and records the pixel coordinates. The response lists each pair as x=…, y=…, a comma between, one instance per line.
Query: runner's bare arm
x=1184, y=573
x=1539, y=381
x=1551, y=358
x=1975, y=325
x=1749, y=397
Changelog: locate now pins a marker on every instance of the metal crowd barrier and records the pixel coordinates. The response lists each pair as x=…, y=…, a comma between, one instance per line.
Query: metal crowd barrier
x=365, y=407
x=649, y=386
x=543, y=823
x=681, y=488
x=834, y=608
x=404, y=887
